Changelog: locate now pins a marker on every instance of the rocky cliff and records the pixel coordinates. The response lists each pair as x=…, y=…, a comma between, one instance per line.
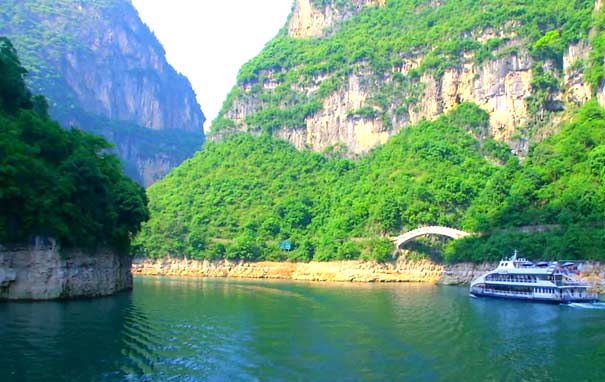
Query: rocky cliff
x=311, y=18
x=44, y=272
x=502, y=66
x=103, y=70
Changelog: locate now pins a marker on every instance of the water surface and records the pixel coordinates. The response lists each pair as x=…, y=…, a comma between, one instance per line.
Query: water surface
x=227, y=330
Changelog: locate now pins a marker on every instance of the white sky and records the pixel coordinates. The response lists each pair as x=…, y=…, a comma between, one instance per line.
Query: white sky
x=209, y=40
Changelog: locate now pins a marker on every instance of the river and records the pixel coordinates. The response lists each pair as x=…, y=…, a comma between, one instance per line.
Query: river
x=238, y=330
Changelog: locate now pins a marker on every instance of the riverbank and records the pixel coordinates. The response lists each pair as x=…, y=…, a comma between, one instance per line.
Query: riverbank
x=400, y=270
x=350, y=271
x=45, y=272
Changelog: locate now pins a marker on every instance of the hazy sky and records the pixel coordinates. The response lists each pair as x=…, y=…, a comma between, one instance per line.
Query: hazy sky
x=209, y=40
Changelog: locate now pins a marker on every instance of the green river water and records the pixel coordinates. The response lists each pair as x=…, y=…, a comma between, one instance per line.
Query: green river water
x=229, y=330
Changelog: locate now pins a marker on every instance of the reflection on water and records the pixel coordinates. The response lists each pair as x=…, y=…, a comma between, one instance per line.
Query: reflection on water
x=226, y=330
x=61, y=340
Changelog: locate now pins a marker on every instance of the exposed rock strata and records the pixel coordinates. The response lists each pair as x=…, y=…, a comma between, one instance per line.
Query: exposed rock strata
x=401, y=270
x=45, y=272
x=464, y=273
x=308, y=20
x=333, y=124
x=578, y=91
x=353, y=271
x=594, y=273
x=501, y=85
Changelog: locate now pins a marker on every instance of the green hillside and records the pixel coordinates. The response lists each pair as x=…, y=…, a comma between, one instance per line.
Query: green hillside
x=57, y=183
x=244, y=194
x=562, y=183
x=240, y=198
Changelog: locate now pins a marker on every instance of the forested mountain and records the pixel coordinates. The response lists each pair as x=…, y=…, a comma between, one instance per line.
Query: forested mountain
x=58, y=183
x=104, y=71
x=241, y=197
x=353, y=73
x=482, y=115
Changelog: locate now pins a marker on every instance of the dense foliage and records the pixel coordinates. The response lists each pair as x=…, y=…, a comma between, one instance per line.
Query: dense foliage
x=560, y=189
x=240, y=198
x=58, y=183
x=379, y=39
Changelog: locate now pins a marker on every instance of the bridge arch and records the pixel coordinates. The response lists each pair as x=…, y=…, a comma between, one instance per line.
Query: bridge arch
x=428, y=230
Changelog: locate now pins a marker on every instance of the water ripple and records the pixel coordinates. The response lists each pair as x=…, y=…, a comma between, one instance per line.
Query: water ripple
x=221, y=330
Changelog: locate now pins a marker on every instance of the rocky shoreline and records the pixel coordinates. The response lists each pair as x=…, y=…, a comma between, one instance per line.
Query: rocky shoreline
x=400, y=270
x=45, y=272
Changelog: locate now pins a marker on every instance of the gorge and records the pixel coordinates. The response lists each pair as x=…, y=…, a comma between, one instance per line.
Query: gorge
x=365, y=119
x=373, y=159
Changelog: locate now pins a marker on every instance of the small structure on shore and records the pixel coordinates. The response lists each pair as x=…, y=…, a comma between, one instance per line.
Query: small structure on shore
x=428, y=230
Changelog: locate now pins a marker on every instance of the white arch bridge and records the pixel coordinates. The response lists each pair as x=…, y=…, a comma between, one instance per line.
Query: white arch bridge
x=428, y=230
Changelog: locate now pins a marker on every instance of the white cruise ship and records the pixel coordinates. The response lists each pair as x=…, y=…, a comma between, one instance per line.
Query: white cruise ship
x=523, y=280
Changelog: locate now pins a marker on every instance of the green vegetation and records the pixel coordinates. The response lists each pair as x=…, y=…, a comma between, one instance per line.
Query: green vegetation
x=241, y=197
x=595, y=73
x=136, y=143
x=562, y=184
x=58, y=183
x=379, y=40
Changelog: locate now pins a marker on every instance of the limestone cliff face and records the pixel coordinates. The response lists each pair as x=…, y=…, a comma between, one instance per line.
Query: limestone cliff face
x=333, y=124
x=103, y=70
x=311, y=18
x=601, y=89
x=351, y=116
x=44, y=272
x=500, y=86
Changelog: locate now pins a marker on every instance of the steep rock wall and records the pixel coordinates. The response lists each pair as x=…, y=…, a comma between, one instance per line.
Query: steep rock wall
x=104, y=71
x=601, y=89
x=44, y=272
x=501, y=86
x=334, y=124
x=311, y=20
x=500, y=83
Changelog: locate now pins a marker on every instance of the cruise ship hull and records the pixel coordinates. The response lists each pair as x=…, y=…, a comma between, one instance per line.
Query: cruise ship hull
x=535, y=299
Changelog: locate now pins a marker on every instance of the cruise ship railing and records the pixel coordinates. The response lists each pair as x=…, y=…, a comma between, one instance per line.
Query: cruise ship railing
x=506, y=292
x=512, y=280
